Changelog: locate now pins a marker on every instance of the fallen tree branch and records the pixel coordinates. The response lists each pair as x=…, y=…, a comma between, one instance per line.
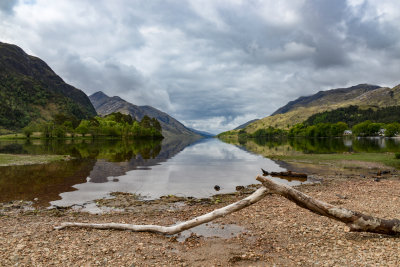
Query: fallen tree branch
x=173, y=229
x=285, y=174
x=356, y=221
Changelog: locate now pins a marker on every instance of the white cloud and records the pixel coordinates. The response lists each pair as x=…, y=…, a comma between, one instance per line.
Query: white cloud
x=212, y=64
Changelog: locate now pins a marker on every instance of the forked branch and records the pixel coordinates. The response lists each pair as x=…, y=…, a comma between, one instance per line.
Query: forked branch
x=356, y=221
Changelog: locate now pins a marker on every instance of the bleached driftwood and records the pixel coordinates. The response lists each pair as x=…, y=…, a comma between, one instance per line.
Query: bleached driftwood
x=356, y=221
x=173, y=229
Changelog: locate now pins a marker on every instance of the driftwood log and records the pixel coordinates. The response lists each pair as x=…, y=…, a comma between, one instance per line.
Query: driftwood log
x=174, y=229
x=285, y=174
x=356, y=221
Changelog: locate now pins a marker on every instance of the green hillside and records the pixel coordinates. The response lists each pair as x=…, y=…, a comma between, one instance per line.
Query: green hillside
x=364, y=96
x=31, y=91
x=171, y=127
x=353, y=115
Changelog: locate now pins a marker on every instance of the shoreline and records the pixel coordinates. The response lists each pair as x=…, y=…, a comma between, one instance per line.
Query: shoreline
x=273, y=231
x=28, y=159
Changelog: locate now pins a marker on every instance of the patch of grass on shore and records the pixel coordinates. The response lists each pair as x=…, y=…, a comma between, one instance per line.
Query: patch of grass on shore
x=15, y=159
x=13, y=136
x=387, y=159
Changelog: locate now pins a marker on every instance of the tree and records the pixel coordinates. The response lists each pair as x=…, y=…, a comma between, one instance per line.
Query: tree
x=392, y=129
x=373, y=129
x=361, y=129
x=338, y=128
x=83, y=128
x=29, y=129
x=59, y=131
x=146, y=122
x=156, y=124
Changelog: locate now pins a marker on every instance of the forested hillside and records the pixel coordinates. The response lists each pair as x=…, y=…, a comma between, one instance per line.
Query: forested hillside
x=353, y=115
x=171, y=127
x=365, y=96
x=31, y=92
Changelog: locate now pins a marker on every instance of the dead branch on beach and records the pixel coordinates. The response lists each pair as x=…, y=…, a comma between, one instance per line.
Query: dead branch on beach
x=285, y=174
x=173, y=229
x=356, y=221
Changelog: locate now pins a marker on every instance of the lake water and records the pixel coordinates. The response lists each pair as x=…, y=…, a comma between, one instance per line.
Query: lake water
x=153, y=168
x=149, y=168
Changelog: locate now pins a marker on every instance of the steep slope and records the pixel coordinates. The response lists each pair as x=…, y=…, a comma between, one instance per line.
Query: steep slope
x=170, y=127
x=203, y=133
x=242, y=126
x=297, y=111
x=327, y=98
x=31, y=91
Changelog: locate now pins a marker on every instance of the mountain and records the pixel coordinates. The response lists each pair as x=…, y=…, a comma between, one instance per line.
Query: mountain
x=242, y=126
x=202, y=133
x=328, y=97
x=170, y=127
x=297, y=111
x=31, y=91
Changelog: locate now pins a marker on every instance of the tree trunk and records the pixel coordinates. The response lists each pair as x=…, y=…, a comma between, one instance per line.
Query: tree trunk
x=173, y=229
x=356, y=221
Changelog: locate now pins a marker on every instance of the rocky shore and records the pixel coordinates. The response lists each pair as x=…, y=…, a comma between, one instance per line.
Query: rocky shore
x=271, y=232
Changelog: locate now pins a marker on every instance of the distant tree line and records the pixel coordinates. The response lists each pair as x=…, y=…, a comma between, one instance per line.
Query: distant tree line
x=116, y=125
x=353, y=115
x=359, y=122
x=318, y=130
x=366, y=128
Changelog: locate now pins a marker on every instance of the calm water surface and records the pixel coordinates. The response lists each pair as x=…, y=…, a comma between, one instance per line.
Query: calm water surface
x=192, y=172
x=154, y=168
x=149, y=168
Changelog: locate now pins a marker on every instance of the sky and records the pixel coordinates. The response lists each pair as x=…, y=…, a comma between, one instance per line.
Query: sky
x=211, y=64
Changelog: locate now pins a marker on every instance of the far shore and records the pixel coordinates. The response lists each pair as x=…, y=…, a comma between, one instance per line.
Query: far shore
x=23, y=159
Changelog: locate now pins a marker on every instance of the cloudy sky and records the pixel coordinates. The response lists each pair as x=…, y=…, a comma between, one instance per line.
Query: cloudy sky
x=212, y=64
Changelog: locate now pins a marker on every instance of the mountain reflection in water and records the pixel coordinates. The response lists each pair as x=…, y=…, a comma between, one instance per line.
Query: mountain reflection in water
x=47, y=181
x=194, y=171
x=151, y=168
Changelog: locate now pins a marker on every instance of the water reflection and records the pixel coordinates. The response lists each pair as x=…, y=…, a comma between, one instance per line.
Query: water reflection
x=325, y=145
x=45, y=181
x=97, y=159
x=153, y=168
x=192, y=172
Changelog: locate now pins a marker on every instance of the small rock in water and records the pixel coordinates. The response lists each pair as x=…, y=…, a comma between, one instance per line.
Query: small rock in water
x=239, y=187
x=217, y=187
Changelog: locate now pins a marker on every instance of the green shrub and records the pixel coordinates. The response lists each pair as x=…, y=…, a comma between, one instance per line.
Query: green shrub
x=397, y=155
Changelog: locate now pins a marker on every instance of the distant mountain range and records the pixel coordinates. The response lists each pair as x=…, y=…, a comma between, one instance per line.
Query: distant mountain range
x=202, y=133
x=171, y=127
x=31, y=91
x=297, y=111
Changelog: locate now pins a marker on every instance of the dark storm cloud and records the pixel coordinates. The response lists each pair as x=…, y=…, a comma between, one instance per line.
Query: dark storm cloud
x=212, y=64
x=6, y=6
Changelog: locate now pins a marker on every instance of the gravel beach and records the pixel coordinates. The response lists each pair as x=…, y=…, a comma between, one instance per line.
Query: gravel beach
x=272, y=232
